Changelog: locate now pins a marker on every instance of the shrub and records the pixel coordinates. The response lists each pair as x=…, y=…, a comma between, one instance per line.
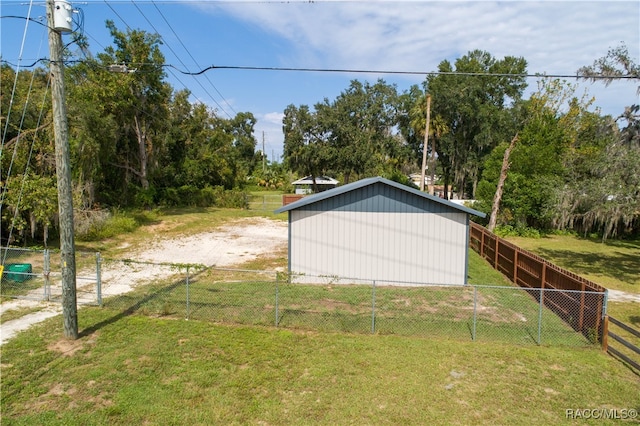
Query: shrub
x=517, y=231
x=208, y=196
x=104, y=225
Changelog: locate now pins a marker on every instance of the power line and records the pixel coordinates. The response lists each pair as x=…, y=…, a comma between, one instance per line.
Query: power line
x=359, y=71
x=396, y=72
x=117, y=14
x=176, y=55
x=196, y=62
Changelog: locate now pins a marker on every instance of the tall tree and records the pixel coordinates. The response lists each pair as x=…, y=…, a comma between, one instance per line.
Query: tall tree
x=472, y=99
x=241, y=127
x=361, y=122
x=601, y=194
x=28, y=198
x=139, y=101
x=93, y=132
x=550, y=165
x=612, y=186
x=306, y=145
x=617, y=63
x=497, y=197
x=354, y=135
x=412, y=120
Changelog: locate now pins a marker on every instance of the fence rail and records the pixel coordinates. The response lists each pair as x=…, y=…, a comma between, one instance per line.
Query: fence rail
x=628, y=351
x=583, y=309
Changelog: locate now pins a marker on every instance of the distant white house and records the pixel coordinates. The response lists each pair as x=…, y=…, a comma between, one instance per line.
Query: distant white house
x=438, y=190
x=416, y=177
x=377, y=229
x=305, y=185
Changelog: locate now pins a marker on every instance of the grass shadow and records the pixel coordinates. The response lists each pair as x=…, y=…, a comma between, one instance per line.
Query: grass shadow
x=165, y=290
x=621, y=266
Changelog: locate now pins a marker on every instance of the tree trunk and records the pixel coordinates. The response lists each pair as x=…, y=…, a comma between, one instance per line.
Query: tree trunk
x=141, y=134
x=495, y=207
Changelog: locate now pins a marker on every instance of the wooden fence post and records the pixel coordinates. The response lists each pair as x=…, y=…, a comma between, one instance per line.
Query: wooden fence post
x=605, y=333
x=515, y=264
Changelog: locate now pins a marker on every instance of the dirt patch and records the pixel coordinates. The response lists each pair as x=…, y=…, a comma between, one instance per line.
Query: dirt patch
x=232, y=244
x=60, y=395
x=68, y=347
x=238, y=242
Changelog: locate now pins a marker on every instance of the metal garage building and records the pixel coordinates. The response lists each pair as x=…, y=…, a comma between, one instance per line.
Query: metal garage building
x=377, y=229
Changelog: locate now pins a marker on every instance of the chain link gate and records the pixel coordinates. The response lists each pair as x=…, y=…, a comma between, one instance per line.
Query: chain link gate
x=35, y=275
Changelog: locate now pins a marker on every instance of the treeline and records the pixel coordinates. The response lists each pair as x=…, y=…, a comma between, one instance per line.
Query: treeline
x=138, y=143
x=135, y=141
x=570, y=168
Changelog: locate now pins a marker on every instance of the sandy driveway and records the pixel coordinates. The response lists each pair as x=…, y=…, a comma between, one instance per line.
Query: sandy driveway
x=241, y=241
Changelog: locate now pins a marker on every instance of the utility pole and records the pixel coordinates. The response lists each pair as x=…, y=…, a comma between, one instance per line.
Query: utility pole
x=424, y=149
x=263, y=155
x=63, y=169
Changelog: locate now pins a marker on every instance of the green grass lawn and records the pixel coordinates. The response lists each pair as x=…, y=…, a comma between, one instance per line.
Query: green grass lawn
x=132, y=369
x=613, y=264
x=138, y=361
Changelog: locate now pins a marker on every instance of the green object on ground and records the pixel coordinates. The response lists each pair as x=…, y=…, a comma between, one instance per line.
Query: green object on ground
x=18, y=272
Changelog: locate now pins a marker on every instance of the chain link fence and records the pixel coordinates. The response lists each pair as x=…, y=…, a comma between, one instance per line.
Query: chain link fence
x=264, y=202
x=25, y=273
x=331, y=304
x=338, y=304
x=35, y=275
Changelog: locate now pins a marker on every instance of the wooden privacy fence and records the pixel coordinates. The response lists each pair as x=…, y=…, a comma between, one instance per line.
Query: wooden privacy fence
x=290, y=198
x=581, y=304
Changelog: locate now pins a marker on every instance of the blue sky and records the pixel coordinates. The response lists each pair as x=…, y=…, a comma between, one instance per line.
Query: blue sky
x=554, y=37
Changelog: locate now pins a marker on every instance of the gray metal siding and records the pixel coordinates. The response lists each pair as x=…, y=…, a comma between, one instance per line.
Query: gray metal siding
x=379, y=233
x=378, y=198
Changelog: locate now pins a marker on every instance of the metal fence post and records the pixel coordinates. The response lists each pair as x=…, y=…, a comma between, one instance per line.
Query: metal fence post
x=277, y=291
x=541, y=305
x=99, y=279
x=604, y=328
x=187, y=293
x=46, y=273
x=373, y=308
x=475, y=312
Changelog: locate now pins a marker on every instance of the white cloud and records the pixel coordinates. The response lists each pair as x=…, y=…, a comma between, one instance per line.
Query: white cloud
x=555, y=37
x=268, y=129
x=273, y=118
